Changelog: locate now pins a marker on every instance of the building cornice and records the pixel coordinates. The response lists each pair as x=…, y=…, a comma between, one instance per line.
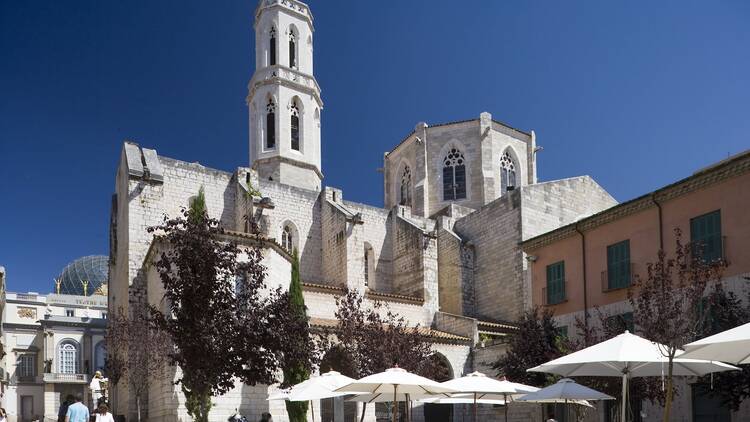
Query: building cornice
x=282, y=75
x=293, y=7
x=721, y=171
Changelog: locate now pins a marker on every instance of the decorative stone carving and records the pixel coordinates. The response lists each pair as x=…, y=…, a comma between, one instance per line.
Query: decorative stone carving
x=25, y=312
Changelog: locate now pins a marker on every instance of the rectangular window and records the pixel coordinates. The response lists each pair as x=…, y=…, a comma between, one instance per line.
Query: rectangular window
x=460, y=181
x=270, y=130
x=448, y=183
x=295, y=133
x=70, y=312
x=618, y=265
x=705, y=236
x=27, y=365
x=555, y=291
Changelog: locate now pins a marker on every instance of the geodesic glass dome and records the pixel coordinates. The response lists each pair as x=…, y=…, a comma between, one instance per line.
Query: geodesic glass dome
x=92, y=269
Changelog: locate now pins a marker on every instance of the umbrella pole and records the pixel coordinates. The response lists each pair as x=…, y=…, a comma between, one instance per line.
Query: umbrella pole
x=624, y=396
x=475, y=407
x=312, y=409
x=505, y=399
x=395, y=403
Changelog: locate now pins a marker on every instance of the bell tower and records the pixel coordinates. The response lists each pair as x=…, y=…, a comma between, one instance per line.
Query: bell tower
x=283, y=96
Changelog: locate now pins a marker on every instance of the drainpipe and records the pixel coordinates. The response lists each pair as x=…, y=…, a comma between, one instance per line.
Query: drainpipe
x=585, y=286
x=661, y=234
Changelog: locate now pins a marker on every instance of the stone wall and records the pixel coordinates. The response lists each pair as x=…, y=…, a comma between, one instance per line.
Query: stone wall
x=494, y=232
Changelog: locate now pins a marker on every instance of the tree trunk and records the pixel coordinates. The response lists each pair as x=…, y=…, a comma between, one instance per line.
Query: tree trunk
x=364, y=406
x=668, y=402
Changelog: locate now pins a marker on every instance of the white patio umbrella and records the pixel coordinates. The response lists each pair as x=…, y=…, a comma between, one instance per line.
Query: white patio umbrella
x=395, y=381
x=626, y=355
x=315, y=388
x=565, y=391
x=731, y=346
x=321, y=387
x=484, y=387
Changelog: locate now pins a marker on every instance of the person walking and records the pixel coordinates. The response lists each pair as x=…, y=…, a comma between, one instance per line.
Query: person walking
x=77, y=412
x=63, y=410
x=103, y=415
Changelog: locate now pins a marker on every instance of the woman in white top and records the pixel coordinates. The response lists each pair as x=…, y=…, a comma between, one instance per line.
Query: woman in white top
x=103, y=415
x=3, y=416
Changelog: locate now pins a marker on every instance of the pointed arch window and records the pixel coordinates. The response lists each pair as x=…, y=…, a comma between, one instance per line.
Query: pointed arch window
x=287, y=239
x=68, y=358
x=270, y=124
x=292, y=50
x=272, y=47
x=295, y=125
x=454, y=175
x=405, y=192
x=507, y=173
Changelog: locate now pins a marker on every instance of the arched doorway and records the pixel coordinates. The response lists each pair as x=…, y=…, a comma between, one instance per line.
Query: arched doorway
x=442, y=372
x=333, y=410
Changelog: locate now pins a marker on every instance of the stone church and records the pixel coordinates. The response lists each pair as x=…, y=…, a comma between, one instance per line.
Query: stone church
x=442, y=250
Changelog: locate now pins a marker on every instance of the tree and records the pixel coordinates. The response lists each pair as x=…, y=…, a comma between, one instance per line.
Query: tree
x=375, y=339
x=667, y=302
x=136, y=350
x=224, y=323
x=537, y=340
x=296, y=372
x=724, y=311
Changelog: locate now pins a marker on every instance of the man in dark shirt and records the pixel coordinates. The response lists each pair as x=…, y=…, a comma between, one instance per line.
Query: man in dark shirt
x=64, y=408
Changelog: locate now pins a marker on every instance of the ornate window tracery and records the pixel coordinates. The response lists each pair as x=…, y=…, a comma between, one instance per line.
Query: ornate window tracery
x=405, y=192
x=68, y=354
x=454, y=175
x=507, y=173
x=287, y=239
x=270, y=124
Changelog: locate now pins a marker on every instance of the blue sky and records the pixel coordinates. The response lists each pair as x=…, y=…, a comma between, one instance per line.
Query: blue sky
x=635, y=94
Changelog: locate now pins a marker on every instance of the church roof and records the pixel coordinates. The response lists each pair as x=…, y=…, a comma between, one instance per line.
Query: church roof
x=90, y=271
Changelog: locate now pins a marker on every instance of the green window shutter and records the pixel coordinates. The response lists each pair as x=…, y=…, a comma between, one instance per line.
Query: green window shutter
x=618, y=265
x=705, y=236
x=556, y=283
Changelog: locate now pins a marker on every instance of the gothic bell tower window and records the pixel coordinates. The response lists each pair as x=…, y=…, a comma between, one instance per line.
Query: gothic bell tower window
x=405, y=193
x=507, y=173
x=454, y=175
x=270, y=124
x=294, y=120
x=272, y=47
x=292, y=50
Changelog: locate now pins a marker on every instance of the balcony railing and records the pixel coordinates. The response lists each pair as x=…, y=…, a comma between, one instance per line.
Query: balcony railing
x=556, y=296
x=617, y=282
x=66, y=378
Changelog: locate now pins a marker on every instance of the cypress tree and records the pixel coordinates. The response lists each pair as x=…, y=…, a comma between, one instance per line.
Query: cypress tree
x=198, y=209
x=296, y=372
